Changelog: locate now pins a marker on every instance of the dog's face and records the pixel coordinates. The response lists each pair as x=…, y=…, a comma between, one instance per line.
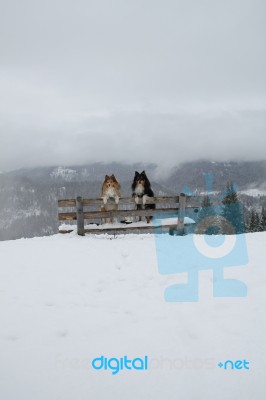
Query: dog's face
x=140, y=178
x=110, y=182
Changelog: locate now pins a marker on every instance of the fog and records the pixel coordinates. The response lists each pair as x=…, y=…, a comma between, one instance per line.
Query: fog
x=143, y=81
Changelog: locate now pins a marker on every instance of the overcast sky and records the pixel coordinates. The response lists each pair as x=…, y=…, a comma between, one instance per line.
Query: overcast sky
x=161, y=81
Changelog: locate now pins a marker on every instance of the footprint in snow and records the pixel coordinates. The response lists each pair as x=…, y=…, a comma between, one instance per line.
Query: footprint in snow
x=62, y=333
x=12, y=337
x=125, y=253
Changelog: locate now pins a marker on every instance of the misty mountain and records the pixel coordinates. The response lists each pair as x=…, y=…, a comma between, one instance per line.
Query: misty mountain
x=28, y=197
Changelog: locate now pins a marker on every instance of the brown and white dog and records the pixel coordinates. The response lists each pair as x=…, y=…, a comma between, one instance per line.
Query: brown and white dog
x=110, y=190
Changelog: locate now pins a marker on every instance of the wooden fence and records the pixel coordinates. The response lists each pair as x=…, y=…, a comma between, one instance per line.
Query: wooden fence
x=165, y=206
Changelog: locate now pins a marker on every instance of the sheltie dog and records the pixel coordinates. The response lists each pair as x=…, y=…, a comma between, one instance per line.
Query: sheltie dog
x=110, y=190
x=142, y=191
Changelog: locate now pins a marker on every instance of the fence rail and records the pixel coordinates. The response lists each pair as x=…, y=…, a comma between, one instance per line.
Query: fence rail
x=168, y=205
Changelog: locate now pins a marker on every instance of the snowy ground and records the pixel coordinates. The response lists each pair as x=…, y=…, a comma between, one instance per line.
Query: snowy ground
x=112, y=225
x=66, y=299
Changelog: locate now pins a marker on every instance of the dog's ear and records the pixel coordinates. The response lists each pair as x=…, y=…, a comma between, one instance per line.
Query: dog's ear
x=143, y=172
x=113, y=177
x=136, y=173
x=106, y=177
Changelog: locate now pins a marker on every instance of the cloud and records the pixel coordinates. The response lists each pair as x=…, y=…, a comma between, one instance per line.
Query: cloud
x=131, y=81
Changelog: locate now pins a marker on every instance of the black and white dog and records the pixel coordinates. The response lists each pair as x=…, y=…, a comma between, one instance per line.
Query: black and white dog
x=142, y=191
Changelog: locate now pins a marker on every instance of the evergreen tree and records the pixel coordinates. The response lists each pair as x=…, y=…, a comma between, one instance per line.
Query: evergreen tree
x=207, y=221
x=232, y=212
x=205, y=210
x=246, y=224
x=246, y=217
x=262, y=226
x=254, y=223
x=257, y=222
x=231, y=194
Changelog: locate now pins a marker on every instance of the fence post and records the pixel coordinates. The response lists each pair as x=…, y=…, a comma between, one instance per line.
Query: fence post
x=80, y=216
x=181, y=214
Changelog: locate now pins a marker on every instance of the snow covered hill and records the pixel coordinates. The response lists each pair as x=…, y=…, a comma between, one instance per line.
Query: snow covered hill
x=65, y=300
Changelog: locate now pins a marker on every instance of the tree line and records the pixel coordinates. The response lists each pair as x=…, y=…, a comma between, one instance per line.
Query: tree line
x=230, y=216
x=256, y=221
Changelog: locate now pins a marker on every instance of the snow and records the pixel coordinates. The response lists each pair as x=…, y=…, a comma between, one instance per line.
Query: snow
x=254, y=192
x=65, y=300
x=114, y=225
x=64, y=173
